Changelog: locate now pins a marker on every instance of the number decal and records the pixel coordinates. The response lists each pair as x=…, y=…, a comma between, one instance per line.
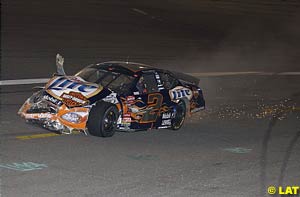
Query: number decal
x=153, y=107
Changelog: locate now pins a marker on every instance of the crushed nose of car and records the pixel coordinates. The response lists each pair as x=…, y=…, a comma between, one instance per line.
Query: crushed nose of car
x=109, y=96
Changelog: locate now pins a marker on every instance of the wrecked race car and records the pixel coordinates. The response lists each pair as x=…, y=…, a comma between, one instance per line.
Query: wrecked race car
x=110, y=96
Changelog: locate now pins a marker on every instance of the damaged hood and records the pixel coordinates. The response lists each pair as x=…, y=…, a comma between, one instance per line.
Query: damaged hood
x=73, y=89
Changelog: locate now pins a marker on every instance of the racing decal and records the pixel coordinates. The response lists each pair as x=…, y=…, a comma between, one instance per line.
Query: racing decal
x=134, y=105
x=163, y=127
x=38, y=116
x=166, y=122
x=111, y=98
x=153, y=108
x=159, y=82
x=81, y=111
x=141, y=112
x=59, y=85
x=160, y=87
x=126, y=118
x=74, y=99
x=180, y=92
x=130, y=100
x=52, y=99
x=166, y=115
x=166, y=119
x=164, y=108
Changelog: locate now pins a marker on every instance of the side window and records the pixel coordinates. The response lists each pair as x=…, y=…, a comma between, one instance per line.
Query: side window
x=147, y=84
x=168, y=80
x=122, y=84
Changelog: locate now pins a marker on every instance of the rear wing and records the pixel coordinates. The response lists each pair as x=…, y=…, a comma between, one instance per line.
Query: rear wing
x=185, y=78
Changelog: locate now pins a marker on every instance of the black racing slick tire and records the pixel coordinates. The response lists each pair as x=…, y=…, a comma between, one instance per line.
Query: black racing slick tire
x=102, y=121
x=179, y=116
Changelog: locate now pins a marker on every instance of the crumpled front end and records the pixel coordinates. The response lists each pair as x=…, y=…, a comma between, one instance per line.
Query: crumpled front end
x=53, y=114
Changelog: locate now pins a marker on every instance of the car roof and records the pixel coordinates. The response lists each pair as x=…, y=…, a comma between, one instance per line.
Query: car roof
x=130, y=68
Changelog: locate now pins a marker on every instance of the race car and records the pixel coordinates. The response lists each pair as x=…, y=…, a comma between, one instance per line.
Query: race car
x=114, y=96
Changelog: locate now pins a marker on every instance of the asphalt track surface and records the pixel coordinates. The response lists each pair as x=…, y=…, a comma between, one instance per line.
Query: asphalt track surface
x=247, y=139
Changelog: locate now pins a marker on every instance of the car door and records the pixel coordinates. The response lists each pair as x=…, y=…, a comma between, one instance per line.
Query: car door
x=144, y=106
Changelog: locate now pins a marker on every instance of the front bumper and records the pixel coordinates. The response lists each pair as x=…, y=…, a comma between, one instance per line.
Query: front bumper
x=50, y=116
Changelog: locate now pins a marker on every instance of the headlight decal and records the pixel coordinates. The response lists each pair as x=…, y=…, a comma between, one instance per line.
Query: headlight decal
x=72, y=117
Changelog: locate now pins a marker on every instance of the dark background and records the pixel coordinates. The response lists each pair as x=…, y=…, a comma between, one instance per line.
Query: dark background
x=201, y=36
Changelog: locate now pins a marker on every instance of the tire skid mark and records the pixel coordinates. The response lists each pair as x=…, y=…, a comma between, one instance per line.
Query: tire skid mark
x=263, y=158
x=287, y=157
x=266, y=139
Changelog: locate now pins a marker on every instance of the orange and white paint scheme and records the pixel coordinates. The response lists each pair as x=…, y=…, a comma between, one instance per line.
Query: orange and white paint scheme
x=63, y=104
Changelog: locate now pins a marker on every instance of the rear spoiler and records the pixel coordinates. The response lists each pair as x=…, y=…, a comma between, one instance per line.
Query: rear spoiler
x=185, y=78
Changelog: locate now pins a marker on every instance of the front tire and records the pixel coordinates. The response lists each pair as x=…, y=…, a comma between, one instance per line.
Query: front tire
x=102, y=120
x=179, y=116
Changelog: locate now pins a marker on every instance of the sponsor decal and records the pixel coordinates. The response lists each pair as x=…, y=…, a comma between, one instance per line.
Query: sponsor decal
x=180, y=92
x=160, y=88
x=38, y=116
x=166, y=122
x=157, y=75
x=74, y=99
x=112, y=98
x=159, y=83
x=166, y=115
x=52, y=99
x=130, y=100
x=126, y=118
x=163, y=127
x=61, y=85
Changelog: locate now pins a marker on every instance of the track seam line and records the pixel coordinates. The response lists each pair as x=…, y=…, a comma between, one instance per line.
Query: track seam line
x=202, y=74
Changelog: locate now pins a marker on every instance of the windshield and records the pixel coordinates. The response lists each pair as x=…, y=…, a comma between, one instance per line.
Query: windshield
x=115, y=81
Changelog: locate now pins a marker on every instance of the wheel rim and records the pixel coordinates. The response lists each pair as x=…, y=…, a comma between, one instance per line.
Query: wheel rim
x=109, y=121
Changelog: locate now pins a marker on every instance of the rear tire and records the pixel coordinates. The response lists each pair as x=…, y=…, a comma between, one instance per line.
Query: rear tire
x=102, y=120
x=178, y=119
